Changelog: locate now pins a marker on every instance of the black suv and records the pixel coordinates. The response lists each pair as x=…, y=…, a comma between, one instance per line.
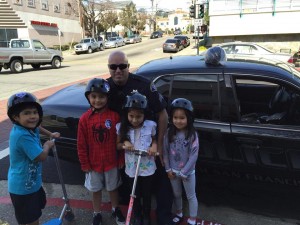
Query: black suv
x=156, y=34
x=247, y=114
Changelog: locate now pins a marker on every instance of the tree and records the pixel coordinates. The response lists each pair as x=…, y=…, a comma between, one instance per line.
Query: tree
x=109, y=19
x=90, y=12
x=128, y=16
x=141, y=21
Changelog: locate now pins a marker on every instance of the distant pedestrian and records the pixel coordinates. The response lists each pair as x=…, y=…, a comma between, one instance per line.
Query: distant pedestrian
x=181, y=148
x=26, y=154
x=137, y=133
x=97, y=152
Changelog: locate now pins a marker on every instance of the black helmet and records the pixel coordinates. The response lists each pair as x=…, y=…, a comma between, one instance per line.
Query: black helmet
x=18, y=101
x=136, y=100
x=97, y=85
x=182, y=103
x=215, y=56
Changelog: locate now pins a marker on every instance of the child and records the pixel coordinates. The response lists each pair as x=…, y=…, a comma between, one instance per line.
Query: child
x=26, y=153
x=96, y=143
x=180, y=155
x=136, y=133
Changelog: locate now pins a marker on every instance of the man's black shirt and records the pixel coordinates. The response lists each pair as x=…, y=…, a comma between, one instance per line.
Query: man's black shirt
x=117, y=95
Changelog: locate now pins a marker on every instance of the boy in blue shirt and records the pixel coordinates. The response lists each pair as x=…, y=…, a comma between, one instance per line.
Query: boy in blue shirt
x=26, y=153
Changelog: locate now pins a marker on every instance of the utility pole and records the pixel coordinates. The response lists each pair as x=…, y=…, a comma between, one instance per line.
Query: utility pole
x=151, y=17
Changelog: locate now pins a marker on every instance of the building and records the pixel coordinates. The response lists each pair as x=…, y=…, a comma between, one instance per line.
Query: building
x=273, y=23
x=53, y=22
x=177, y=19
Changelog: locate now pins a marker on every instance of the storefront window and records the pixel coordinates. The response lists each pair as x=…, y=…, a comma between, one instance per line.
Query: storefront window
x=6, y=35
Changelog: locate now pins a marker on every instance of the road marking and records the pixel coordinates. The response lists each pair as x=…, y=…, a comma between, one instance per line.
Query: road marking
x=4, y=153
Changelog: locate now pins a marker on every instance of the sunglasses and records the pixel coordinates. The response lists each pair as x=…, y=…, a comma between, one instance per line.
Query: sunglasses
x=120, y=66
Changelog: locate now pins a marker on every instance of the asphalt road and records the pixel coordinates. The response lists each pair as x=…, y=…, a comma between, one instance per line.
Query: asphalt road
x=225, y=204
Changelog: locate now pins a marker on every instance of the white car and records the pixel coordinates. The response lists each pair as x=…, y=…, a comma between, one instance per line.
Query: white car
x=233, y=49
x=114, y=42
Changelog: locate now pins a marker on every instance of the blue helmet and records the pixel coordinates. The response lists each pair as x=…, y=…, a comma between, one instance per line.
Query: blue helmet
x=18, y=101
x=136, y=100
x=182, y=103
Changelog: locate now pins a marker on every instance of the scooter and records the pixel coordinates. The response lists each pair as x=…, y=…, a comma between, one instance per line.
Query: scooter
x=140, y=153
x=66, y=212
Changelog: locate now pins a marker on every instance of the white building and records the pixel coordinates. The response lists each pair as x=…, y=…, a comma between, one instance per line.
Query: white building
x=39, y=19
x=272, y=21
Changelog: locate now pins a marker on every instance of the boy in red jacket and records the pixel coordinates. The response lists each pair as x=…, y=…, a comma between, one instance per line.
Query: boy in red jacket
x=96, y=144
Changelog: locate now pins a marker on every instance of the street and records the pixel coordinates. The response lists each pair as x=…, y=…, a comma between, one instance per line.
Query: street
x=225, y=205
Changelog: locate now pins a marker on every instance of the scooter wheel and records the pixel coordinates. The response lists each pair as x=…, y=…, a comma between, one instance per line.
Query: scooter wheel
x=69, y=216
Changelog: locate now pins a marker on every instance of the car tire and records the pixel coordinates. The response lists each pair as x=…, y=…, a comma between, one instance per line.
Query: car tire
x=56, y=63
x=77, y=53
x=35, y=66
x=0, y=68
x=101, y=48
x=16, y=66
x=89, y=51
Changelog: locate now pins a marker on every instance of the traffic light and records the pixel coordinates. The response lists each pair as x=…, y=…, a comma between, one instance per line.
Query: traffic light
x=201, y=11
x=192, y=11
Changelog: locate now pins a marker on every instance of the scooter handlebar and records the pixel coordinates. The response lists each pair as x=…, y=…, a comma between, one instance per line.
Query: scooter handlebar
x=141, y=152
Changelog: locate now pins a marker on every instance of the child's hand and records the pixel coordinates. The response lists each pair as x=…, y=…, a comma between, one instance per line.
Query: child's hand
x=55, y=135
x=171, y=175
x=128, y=146
x=49, y=144
x=152, y=150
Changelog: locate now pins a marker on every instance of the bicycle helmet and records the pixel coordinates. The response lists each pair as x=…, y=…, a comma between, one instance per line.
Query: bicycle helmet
x=136, y=100
x=97, y=85
x=215, y=56
x=17, y=102
x=182, y=103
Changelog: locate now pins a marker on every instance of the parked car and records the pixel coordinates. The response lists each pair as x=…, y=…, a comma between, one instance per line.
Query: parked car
x=172, y=45
x=28, y=51
x=132, y=39
x=252, y=49
x=246, y=113
x=185, y=40
x=87, y=45
x=114, y=42
x=156, y=34
x=177, y=31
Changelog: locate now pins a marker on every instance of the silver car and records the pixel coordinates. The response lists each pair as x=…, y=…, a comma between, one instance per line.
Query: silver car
x=114, y=42
x=132, y=39
x=246, y=49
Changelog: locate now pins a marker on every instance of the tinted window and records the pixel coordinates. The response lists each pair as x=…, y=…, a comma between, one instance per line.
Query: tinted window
x=266, y=101
x=201, y=89
x=171, y=41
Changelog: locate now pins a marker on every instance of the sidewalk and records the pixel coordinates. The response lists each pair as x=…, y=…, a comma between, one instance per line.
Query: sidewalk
x=79, y=202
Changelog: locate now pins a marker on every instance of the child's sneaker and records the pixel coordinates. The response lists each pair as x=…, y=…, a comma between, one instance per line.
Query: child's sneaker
x=117, y=214
x=97, y=219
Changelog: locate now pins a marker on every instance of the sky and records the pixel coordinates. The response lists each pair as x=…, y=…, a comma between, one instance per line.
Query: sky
x=162, y=4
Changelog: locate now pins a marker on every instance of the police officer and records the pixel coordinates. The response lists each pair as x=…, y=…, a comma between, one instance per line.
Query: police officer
x=122, y=83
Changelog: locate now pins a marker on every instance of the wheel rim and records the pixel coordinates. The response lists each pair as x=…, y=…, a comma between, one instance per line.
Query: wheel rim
x=57, y=63
x=18, y=66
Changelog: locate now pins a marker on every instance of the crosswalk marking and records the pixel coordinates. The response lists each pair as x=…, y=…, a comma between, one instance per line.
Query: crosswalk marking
x=4, y=153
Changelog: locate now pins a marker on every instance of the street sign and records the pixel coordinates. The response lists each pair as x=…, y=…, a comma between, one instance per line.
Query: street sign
x=197, y=22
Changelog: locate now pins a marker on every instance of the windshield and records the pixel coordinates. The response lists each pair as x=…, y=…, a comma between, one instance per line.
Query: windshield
x=112, y=39
x=85, y=41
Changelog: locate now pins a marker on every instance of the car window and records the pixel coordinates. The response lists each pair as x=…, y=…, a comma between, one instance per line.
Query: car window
x=243, y=49
x=38, y=45
x=267, y=101
x=201, y=89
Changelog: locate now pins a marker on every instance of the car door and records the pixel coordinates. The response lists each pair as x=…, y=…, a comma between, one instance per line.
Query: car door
x=267, y=145
x=40, y=52
x=204, y=90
